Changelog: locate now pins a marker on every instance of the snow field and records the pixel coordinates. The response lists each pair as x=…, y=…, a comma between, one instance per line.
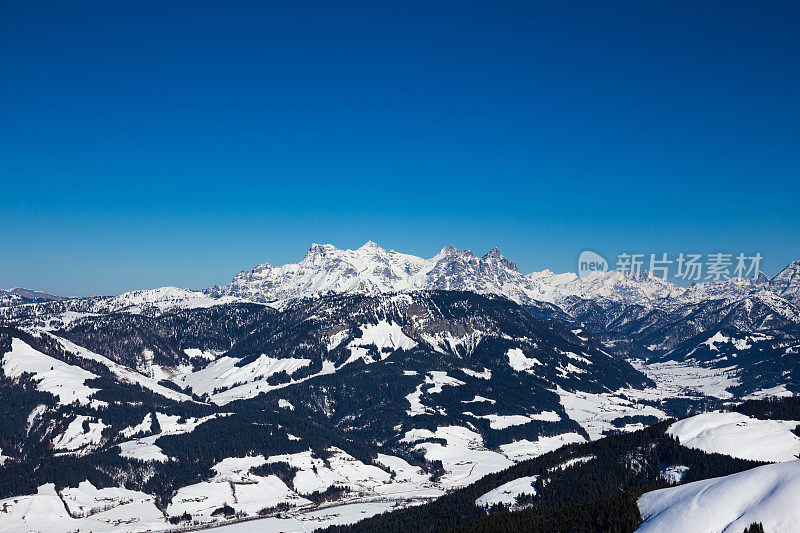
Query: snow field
x=506, y=494
x=739, y=436
x=766, y=494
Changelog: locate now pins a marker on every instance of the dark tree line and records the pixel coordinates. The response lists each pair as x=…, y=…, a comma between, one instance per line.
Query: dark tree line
x=598, y=495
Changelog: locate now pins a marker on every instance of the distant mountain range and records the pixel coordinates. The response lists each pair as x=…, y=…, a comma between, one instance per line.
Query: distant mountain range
x=19, y=296
x=372, y=270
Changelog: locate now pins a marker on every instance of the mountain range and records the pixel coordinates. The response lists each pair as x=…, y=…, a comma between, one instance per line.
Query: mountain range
x=369, y=379
x=372, y=270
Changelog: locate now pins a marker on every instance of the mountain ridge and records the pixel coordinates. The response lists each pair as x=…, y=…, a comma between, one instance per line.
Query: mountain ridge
x=370, y=269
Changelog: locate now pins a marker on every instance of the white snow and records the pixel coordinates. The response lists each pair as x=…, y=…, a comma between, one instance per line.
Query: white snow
x=479, y=399
x=439, y=379
x=521, y=450
x=382, y=335
x=519, y=362
x=337, y=338
x=767, y=494
x=86, y=499
x=506, y=421
x=42, y=511
x=739, y=436
x=74, y=438
x=142, y=427
x=719, y=338
x=371, y=269
x=64, y=381
x=233, y=484
x=576, y=357
x=223, y=373
x=285, y=404
x=302, y=522
x=596, y=412
x=464, y=458
x=145, y=448
x=779, y=391
x=565, y=371
x=447, y=342
x=674, y=474
x=197, y=352
x=123, y=373
x=402, y=469
x=107, y=510
x=506, y=494
x=485, y=374
x=340, y=469
x=34, y=416
x=681, y=379
x=416, y=406
x=159, y=300
x=713, y=340
x=571, y=462
x=436, y=378
x=249, y=389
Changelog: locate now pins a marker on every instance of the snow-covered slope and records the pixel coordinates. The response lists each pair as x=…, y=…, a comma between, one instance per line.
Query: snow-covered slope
x=155, y=301
x=66, y=382
x=506, y=494
x=20, y=296
x=767, y=494
x=739, y=436
x=109, y=509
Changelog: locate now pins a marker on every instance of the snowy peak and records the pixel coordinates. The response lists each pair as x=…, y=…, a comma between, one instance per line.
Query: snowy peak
x=445, y=251
x=371, y=269
x=369, y=245
x=787, y=282
x=494, y=253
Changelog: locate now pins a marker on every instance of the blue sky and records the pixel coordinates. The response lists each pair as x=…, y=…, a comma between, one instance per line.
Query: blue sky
x=148, y=143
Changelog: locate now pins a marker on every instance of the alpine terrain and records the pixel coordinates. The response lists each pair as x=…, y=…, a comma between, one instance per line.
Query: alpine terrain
x=379, y=391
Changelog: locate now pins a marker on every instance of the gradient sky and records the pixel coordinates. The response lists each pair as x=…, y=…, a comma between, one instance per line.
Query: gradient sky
x=175, y=143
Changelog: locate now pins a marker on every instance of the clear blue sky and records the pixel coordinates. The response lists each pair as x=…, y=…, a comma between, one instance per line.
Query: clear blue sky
x=175, y=143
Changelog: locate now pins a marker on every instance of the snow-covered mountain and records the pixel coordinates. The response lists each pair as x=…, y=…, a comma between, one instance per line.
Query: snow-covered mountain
x=787, y=283
x=19, y=296
x=377, y=379
x=370, y=269
x=392, y=397
x=766, y=495
x=156, y=301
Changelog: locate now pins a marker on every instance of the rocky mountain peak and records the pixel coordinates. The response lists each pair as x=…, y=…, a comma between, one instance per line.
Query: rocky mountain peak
x=787, y=282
